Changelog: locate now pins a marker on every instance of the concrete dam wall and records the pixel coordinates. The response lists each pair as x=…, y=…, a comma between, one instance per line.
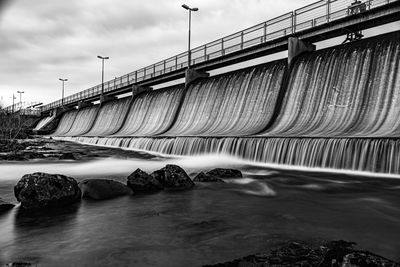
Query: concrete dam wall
x=334, y=108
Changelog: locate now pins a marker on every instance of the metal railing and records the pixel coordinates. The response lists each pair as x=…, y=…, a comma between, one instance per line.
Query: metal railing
x=304, y=18
x=20, y=105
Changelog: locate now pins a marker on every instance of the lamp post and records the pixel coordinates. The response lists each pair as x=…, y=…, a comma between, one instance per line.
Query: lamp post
x=62, y=92
x=20, y=96
x=102, y=73
x=190, y=24
x=13, y=97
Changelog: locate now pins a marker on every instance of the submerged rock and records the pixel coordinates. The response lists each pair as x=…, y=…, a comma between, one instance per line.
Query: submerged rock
x=225, y=173
x=216, y=175
x=100, y=189
x=335, y=253
x=4, y=206
x=67, y=156
x=173, y=177
x=42, y=190
x=140, y=181
x=203, y=177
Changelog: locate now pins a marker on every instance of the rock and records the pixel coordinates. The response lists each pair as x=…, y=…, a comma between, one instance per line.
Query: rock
x=173, y=177
x=335, y=253
x=100, y=189
x=67, y=156
x=225, y=173
x=42, y=190
x=140, y=181
x=202, y=177
x=4, y=206
x=18, y=264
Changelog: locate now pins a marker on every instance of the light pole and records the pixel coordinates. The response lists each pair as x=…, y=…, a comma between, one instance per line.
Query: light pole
x=62, y=92
x=20, y=96
x=190, y=24
x=102, y=73
x=13, y=97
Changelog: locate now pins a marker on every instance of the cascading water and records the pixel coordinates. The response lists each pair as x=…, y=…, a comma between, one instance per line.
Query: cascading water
x=83, y=121
x=348, y=91
x=110, y=118
x=339, y=110
x=65, y=123
x=239, y=103
x=152, y=112
x=43, y=122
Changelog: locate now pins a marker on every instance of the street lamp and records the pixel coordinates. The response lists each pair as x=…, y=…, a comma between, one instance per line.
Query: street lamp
x=20, y=96
x=102, y=73
x=190, y=24
x=62, y=94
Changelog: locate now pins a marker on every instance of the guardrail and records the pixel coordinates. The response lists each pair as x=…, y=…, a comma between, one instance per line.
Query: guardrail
x=304, y=18
x=20, y=105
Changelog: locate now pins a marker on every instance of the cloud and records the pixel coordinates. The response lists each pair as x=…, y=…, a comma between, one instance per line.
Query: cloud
x=43, y=40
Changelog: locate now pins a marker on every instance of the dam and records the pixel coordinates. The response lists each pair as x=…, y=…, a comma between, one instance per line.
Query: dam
x=339, y=109
x=335, y=108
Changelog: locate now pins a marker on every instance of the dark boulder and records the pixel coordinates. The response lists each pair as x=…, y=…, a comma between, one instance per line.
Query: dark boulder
x=173, y=177
x=4, y=206
x=67, y=156
x=335, y=253
x=225, y=173
x=140, y=181
x=42, y=190
x=202, y=177
x=100, y=189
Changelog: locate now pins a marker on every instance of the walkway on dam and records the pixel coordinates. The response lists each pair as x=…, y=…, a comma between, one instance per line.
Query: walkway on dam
x=316, y=22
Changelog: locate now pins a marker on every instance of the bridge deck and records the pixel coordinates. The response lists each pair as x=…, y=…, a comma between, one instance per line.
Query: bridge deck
x=316, y=22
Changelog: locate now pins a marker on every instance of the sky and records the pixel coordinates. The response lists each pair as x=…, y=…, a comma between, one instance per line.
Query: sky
x=44, y=40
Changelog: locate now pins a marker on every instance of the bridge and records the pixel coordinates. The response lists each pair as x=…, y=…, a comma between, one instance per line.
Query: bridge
x=319, y=21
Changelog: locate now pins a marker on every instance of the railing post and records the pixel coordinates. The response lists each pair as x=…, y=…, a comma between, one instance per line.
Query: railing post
x=265, y=31
x=135, y=76
x=328, y=10
x=176, y=62
x=222, y=47
x=205, y=52
x=154, y=70
x=293, y=21
x=241, y=40
x=164, y=65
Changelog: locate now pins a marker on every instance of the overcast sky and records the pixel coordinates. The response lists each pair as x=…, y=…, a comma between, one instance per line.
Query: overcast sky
x=43, y=40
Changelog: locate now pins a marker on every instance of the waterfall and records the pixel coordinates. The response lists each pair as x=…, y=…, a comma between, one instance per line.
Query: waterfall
x=110, y=118
x=238, y=103
x=338, y=108
x=65, y=123
x=83, y=121
x=349, y=91
x=43, y=122
x=152, y=112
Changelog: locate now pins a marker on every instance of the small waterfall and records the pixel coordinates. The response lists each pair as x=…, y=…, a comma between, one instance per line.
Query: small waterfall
x=349, y=91
x=234, y=104
x=110, y=118
x=152, y=112
x=83, y=121
x=65, y=123
x=43, y=122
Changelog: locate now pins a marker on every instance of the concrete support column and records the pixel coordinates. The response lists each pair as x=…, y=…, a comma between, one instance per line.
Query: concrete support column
x=137, y=89
x=106, y=98
x=82, y=104
x=191, y=75
x=297, y=47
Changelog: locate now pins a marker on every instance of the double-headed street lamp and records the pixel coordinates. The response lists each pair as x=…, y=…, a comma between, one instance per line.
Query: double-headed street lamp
x=102, y=73
x=190, y=24
x=62, y=94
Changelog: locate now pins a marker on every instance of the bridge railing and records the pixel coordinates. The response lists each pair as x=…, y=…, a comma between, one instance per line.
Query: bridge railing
x=304, y=18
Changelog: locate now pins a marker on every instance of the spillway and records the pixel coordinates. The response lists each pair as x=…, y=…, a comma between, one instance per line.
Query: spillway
x=110, y=118
x=81, y=122
x=65, y=123
x=152, y=112
x=348, y=91
x=336, y=108
x=234, y=104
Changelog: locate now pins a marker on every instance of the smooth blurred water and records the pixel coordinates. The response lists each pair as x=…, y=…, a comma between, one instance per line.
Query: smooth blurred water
x=212, y=223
